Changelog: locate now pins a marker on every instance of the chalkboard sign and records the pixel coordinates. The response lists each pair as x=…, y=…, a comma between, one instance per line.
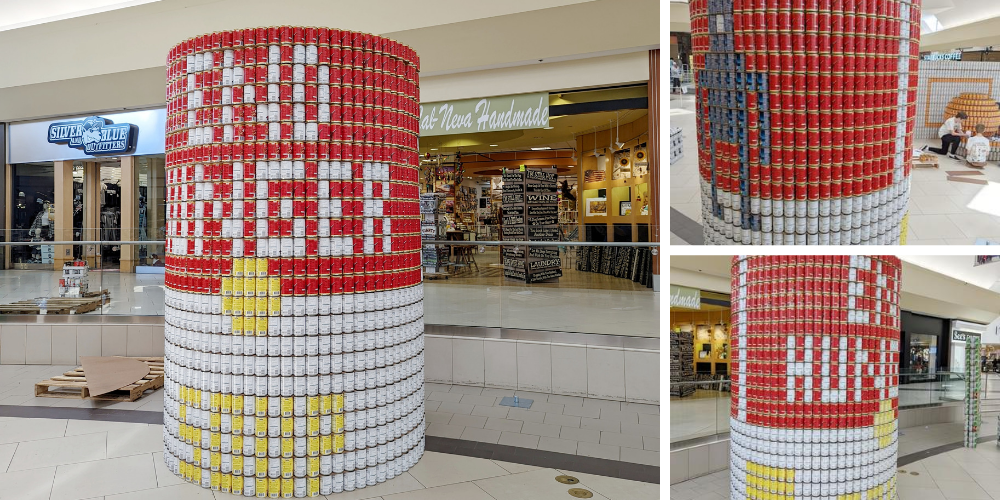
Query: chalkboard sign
x=541, y=175
x=545, y=275
x=541, y=188
x=513, y=230
x=513, y=198
x=542, y=233
x=543, y=253
x=547, y=220
x=534, y=210
x=513, y=176
x=539, y=198
x=534, y=189
x=511, y=220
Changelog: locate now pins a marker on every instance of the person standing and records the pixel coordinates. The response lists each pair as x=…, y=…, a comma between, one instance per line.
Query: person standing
x=675, y=76
x=977, y=148
x=951, y=134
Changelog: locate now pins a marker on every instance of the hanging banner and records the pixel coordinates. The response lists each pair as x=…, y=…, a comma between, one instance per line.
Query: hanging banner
x=488, y=114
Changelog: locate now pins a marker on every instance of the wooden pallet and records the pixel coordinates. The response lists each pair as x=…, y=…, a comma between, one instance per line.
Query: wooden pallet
x=73, y=384
x=91, y=301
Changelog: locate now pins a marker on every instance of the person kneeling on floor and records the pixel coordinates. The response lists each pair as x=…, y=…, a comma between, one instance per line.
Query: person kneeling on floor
x=977, y=148
x=951, y=134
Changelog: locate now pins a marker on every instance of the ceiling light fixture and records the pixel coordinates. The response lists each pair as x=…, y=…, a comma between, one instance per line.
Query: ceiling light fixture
x=540, y=149
x=618, y=141
x=548, y=128
x=434, y=149
x=494, y=145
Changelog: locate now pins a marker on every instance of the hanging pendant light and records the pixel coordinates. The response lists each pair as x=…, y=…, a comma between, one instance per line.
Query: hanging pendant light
x=618, y=141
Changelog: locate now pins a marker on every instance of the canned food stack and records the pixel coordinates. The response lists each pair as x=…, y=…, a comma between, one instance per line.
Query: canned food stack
x=939, y=82
x=815, y=378
x=805, y=115
x=973, y=386
x=74, y=281
x=676, y=144
x=294, y=313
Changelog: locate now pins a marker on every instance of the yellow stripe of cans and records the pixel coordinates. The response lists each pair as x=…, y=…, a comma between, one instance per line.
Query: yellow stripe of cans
x=262, y=263
x=287, y=425
x=287, y=404
x=261, y=466
x=227, y=286
x=326, y=444
x=237, y=465
x=216, y=480
x=312, y=487
x=261, y=406
x=338, y=423
x=260, y=427
x=249, y=267
x=215, y=441
x=215, y=459
x=287, y=488
x=312, y=466
x=237, y=404
x=261, y=487
x=274, y=286
x=260, y=446
x=238, y=287
x=338, y=403
x=261, y=307
x=237, y=444
x=182, y=410
x=261, y=287
x=338, y=443
x=287, y=447
x=227, y=403
x=195, y=437
x=274, y=306
x=312, y=426
x=196, y=455
x=312, y=406
x=312, y=446
x=238, y=267
x=226, y=482
x=325, y=404
x=237, y=318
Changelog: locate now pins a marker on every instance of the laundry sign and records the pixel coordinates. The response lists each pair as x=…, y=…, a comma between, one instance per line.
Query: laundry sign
x=688, y=298
x=487, y=114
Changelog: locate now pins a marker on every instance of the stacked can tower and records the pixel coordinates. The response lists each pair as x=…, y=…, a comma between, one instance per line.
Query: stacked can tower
x=814, y=377
x=973, y=386
x=940, y=82
x=294, y=313
x=805, y=115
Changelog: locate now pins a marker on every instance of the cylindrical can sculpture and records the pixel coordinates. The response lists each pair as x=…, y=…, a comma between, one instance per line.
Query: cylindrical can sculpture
x=815, y=357
x=805, y=115
x=294, y=313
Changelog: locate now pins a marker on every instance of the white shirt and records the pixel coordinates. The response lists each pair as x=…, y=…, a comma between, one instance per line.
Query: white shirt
x=948, y=127
x=977, y=149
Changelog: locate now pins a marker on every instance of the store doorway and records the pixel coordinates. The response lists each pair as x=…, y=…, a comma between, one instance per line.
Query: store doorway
x=923, y=357
x=110, y=214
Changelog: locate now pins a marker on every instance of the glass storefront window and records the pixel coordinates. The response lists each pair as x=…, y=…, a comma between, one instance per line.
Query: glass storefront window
x=151, y=208
x=32, y=217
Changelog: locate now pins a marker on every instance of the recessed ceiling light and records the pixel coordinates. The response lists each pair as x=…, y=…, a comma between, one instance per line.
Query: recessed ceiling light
x=494, y=145
x=434, y=149
x=540, y=149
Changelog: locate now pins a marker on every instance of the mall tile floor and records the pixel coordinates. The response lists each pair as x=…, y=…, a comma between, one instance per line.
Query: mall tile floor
x=942, y=212
x=580, y=310
x=627, y=432
x=60, y=459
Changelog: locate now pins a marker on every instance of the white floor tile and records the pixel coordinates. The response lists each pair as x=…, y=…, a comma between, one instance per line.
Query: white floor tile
x=399, y=484
x=437, y=469
x=515, y=468
x=77, y=427
x=35, y=484
x=461, y=491
x=916, y=493
x=535, y=485
x=164, y=477
x=6, y=453
x=183, y=491
x=964, y=490
x=598, y=450
x=519, y=440
x=104, y=477
x=30, y=429
x=135, y=441
x=617, y=489
x=59, y=451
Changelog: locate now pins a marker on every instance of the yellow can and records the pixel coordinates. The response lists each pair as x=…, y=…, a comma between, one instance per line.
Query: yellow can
x=261, y=406
x=237, y=485
x=182, y=409
x=262, y=263
x=215, y=459
x=287, y=446
x=261, y=287
x=196, y=455
x=261, y=487
x=287, y=467
x=338, y=423
x=287, y=487
x=238, y=287
x=215, y=401
x=338, y=403
x=312, y=466
x=237, y=445
x=215, y=441
x=226, y=482
x=227, y=286
x=274, y=488
x=325, y=404
x=237, y=313
x=312, y=446
x=326, y=444
x=261, y=467
x=312, y=426
x=338, y=443
x=237, y=466
x=261, y=448
x=274, y=286
x=238, y=267
x=186, y=470
x=274, y=306
x=227, y=403
x=287, y=423
x=312, y=486
x=262, y=323
x=195, y=437
x=216, y=480
x=249, y=287
x=237, y=404
x=237, y=424
x=249, y=266
x=260, y=427
x=312, y=405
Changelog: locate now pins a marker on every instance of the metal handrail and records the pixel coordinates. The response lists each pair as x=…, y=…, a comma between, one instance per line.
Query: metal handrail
x=425, y=242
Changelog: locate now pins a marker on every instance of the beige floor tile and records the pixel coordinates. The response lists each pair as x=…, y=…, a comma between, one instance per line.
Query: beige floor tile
x=519, y=440
x=515, y=468
x=164, y=477
x=483, y=435
x=6, y=453
x=964, y=490
x=535, y=485
x=445, y=430
x=617, y=489
x=59, y=451
x=645, y=457
x=183, y=491
x=503, y=424
x=77, y=427
x=35, y=484
x=598, y=451
x=399, y=484
x=135, y=441
x=917, y=493
x=438, y=469
x=104, y=477
x=491, y=411
x=558, y=445
x=31, y=429
x=461, y=491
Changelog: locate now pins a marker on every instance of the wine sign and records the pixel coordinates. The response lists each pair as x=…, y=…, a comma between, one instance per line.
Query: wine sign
x=531, y=212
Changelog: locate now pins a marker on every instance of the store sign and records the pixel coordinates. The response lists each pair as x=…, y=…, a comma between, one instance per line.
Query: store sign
x=84, y=137
x=489, y=114
x=95, y=135
x=689, y=298
x=955, y=55
x=960, y=336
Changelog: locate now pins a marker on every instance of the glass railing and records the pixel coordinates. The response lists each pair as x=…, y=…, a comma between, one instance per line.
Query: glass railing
x=701, y=409
x=591, y=288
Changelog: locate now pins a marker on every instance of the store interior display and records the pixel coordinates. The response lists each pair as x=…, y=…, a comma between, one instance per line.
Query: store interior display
x=293, y=252
x=33, y=214
x=797, y=323
x=681, y=362
x=434, y=258
x=634, y=263
x=785, y=157
x=531, y=213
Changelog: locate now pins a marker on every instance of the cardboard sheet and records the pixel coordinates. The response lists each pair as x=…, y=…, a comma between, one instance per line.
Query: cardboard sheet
x=105, y=374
